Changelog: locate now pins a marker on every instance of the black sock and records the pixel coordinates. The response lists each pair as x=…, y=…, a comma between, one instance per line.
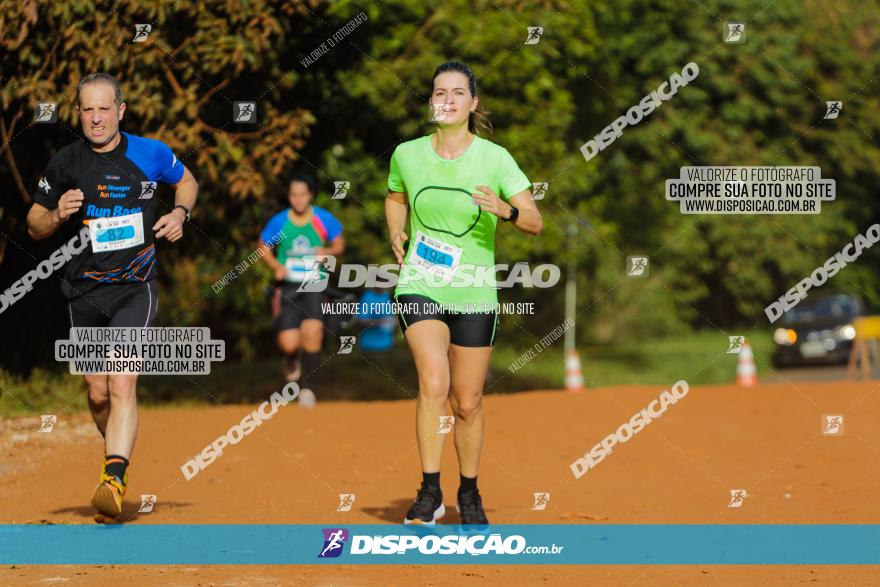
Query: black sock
x=310, y=362
x=116, y=465
x=467, y=484
x=431, y=479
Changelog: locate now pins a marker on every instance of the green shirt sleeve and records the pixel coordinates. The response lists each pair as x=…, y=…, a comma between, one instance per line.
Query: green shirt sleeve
x=395, y=181
x=511, y=179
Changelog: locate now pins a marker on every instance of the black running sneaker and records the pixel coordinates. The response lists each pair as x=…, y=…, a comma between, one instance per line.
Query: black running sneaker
x=427, y=508
x=470, y=506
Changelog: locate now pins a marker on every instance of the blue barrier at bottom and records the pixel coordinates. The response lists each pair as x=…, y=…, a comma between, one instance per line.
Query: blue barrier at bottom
x=648, y=544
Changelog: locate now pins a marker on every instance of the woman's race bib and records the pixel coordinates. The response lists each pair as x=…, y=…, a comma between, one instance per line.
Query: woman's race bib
x=435, y=256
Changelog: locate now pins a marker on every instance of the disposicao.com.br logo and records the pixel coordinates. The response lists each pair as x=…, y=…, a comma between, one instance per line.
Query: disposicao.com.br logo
x=334, y=540
x=446, y=272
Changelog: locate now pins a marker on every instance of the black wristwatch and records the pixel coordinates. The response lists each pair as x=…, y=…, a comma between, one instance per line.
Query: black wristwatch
x=184, y=208
x=514, y=214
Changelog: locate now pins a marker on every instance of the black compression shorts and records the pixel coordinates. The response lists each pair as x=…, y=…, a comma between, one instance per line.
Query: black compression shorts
x=470, y=330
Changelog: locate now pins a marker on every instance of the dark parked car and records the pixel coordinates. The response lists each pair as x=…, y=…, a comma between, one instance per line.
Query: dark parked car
x=819, y=330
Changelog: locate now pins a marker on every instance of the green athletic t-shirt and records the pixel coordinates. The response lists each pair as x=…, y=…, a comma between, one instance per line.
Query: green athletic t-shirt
x=294, y=243
x=450, y=238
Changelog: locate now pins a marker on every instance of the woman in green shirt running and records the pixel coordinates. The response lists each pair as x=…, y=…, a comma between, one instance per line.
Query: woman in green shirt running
x=453, y=187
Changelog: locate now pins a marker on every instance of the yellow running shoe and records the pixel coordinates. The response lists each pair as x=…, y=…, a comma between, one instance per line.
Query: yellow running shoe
x=109, y=494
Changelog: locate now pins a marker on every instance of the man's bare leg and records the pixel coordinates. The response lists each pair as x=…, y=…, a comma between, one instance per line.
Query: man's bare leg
x=99, y=400
x=120, y=431
x=123, y=422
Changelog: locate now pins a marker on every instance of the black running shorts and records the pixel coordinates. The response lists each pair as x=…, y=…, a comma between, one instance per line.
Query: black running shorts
x=470, y=330
x=297, y=306
x=128, y=305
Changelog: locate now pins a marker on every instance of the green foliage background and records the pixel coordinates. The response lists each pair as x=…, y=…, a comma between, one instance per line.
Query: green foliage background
x=757, y=103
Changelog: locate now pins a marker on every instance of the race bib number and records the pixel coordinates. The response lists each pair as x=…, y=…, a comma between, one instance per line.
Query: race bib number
x=117, y=232
x=436, y=256
x=302, y=269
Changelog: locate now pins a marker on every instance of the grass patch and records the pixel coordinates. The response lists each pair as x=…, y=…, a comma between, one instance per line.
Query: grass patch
x=46, y=391
x=699, y=358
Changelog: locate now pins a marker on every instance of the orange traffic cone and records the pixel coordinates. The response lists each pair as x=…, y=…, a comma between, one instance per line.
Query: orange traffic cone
x=745, y=367
x=574, y=379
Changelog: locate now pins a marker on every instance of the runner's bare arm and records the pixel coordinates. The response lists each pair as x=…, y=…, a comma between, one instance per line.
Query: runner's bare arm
x=529, y=220
x=170, y=225
x=278, y=270
x=336, y=248
x=396, y=209
x=43, y=222
x=186, y=190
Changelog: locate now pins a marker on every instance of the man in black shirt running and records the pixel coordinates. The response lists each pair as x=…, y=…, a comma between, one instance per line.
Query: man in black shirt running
x=107, y=181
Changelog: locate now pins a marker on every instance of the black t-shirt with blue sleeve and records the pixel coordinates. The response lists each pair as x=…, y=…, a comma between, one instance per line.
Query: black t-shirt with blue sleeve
x=119, y=206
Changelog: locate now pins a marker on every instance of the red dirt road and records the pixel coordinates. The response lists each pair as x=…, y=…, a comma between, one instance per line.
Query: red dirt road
x=679, y=469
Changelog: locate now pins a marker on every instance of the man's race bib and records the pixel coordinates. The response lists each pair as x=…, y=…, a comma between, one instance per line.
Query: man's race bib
x=437, y=257
x=117, y=232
